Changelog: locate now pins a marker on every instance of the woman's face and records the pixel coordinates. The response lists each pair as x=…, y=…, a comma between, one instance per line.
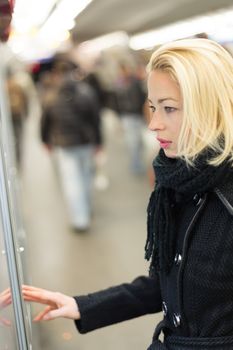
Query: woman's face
x=166, y=110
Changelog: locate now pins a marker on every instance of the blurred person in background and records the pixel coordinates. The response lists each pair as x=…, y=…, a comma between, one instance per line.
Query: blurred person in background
x=71, y=128
x=130, y=99
x=101, y=179
x=19, y=108
x=92, y=79
x=190, y=212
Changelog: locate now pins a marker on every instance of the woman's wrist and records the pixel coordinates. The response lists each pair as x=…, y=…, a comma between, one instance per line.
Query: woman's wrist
x=76, y=315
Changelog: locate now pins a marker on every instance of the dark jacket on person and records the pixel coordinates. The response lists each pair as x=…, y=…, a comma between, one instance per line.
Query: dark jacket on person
x=130, y=97
x=72, y=118
x=196, y=296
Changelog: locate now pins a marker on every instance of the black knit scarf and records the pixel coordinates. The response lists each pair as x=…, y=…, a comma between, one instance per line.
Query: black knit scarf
x=175, y=182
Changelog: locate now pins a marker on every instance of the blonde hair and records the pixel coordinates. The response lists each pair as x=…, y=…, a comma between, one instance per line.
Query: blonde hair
x=203, y=70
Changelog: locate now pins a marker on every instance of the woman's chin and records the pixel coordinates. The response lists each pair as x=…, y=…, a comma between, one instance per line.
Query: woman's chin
x=170, y=154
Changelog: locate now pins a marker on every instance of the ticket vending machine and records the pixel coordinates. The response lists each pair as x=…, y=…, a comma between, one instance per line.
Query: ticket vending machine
x=15, y=321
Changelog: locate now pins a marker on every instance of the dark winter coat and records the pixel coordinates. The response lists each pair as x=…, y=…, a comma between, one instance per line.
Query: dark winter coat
x=196, y=296
x=130, y=97
x=73, y=117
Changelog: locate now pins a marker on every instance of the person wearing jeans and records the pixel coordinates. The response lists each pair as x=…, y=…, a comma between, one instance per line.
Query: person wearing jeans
x=75, y=167
x=70, y=127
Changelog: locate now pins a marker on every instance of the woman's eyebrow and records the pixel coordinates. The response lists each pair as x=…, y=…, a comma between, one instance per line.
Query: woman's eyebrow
x=167, y=98
x=164, y=99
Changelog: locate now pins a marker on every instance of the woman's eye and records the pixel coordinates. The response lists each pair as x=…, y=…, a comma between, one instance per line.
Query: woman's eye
x=170, y=109
x=152, y=108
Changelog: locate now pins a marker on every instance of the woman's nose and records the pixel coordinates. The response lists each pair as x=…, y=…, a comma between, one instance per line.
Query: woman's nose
x=156, y=123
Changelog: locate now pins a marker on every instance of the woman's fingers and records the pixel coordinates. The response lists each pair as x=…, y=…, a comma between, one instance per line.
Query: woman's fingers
x=43, y=297
x=51, y=315
x=31, y=288
x=42, y=314
x=59, y=305
x=65, y=311
x=5, y=322
x=5, y=292
x=28, y=289
x=5, y=301
x=5, y=298
x=35, y=295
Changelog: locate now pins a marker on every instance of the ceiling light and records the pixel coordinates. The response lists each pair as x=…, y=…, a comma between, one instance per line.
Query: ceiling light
x=105, y=42
x=210, y=24
x=28, y=13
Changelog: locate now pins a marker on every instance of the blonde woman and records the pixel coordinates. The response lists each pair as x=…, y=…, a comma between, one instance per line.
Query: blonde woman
x=190, y=212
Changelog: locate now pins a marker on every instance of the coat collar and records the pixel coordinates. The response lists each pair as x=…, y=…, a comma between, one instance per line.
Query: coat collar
x=225, y=193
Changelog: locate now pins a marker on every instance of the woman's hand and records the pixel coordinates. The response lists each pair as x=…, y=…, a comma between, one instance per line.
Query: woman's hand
x=5, y=300
x=58, y=305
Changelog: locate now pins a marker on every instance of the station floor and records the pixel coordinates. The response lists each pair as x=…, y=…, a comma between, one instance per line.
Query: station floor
x=111, y=253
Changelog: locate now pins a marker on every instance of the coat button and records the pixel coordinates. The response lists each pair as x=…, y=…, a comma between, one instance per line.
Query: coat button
x=176, y=320
x=177, y=259
x=196, y=199
x=164, y=308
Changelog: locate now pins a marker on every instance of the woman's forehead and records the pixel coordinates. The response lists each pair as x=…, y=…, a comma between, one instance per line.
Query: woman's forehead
x=162, y=87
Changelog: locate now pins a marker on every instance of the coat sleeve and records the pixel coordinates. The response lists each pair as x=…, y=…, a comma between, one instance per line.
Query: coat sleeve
x=119, y=303
x=95, y=117
x=45, y=127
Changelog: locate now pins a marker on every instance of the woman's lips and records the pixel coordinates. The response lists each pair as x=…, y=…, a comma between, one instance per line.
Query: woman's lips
x=164, y=143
